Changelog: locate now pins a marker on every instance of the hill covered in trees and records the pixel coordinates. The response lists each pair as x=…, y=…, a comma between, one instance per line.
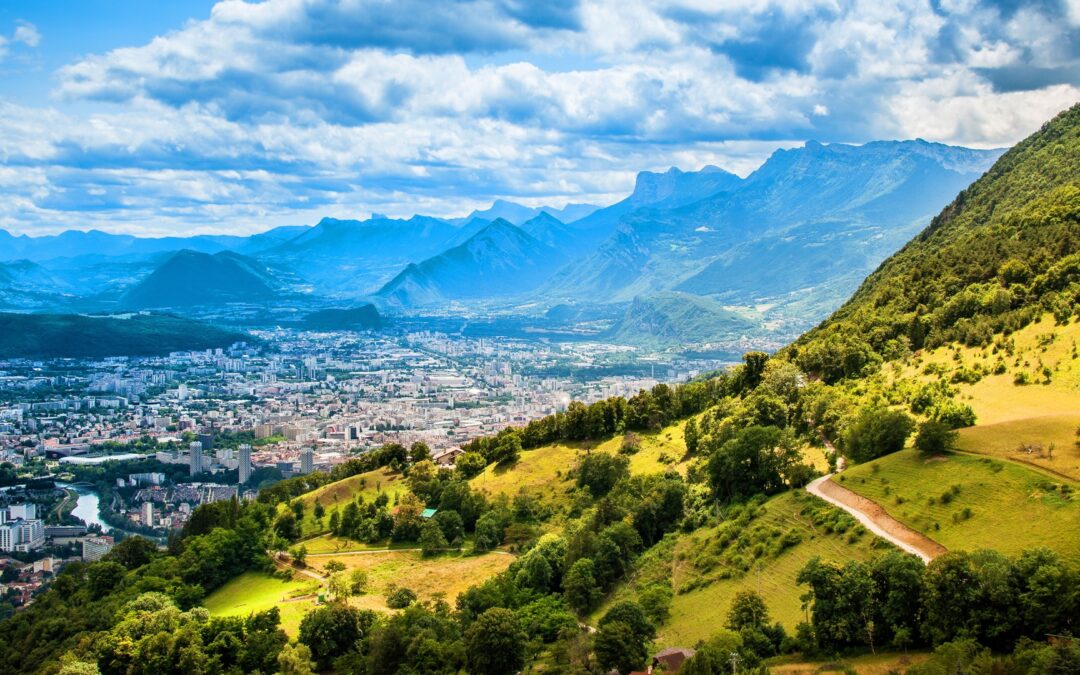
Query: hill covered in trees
x=40, y=336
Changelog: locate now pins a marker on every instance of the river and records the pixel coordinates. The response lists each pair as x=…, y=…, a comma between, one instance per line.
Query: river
x=87, y=508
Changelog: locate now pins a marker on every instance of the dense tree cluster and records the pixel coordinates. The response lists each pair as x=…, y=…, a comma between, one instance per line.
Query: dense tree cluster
x=896, y=601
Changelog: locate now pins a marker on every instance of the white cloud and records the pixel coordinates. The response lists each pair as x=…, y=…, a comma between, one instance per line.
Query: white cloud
x=283, y=111
x=27, y=33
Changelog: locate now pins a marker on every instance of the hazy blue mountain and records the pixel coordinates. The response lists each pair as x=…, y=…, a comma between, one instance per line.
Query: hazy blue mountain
x=362, y=317
x=501, y=260
x=36, y=336
x=25, y=285
x=807, y=220
x=191, y=278
x=551, y=231
x=355, y=257
x=517, y=214
x=263, y=241
x=74, y=243
x=672, y=318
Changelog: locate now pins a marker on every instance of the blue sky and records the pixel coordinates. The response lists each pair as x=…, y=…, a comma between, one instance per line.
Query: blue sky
x=184, y=117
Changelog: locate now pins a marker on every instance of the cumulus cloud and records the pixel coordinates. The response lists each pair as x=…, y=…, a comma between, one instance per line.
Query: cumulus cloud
x=286, y=110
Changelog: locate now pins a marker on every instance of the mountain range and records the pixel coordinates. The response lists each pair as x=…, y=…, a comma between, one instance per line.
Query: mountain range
x=768, y=254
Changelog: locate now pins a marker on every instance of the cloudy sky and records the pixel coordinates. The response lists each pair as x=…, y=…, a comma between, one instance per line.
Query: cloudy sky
x=185, y=117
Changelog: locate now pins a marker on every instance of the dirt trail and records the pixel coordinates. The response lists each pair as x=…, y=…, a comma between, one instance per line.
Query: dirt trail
x=876, y=519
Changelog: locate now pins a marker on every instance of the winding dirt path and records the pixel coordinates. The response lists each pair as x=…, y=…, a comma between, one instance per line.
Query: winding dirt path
x=874, y=518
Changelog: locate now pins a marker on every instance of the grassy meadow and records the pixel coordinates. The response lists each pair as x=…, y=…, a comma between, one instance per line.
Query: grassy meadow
x=967, y=502
x=446, y=576
x=1044, y=354
x=1049, y=442
x=544, y=472
x=257, y=591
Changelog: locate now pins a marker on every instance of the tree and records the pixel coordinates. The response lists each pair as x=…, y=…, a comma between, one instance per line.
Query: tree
x=714, y=657
x=299, y=556
x=618, y=647
x=747, y=610
x=935, y=438
x=419, y=451
x=358, y=581
x=338, y=586
x=407, y=519
x=470, y=464
x=287, y=527
x=334, y=566
x=579, y=586
x=632, y=615
x=399, y=598
x=690, y=436
x=877, y=432
x=133, y=552
x=432, y=539
x=495, y=643
x=489, y=532
x=507, y=447
x=295, y=660
x=599, y=472
x=755, y=461
x=319, y=510
x=103, y=576
x=546, y=617
x=453, y=527
x=331, y=631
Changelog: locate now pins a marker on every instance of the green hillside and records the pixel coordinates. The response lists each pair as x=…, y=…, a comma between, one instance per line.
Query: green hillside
x=673, y=318
x=37, y=336
x=760, y=548
x=1003, y=253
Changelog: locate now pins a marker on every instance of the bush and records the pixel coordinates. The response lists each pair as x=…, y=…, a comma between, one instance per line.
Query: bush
x=400, y=598
x=877, y=432
x=935, y=438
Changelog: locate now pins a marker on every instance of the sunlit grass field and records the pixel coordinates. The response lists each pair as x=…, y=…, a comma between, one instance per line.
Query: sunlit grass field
x=257, y=591
x=446, y=575
x=544, y=472
x=997, y=398
x=967, y=502
x=1049, y=442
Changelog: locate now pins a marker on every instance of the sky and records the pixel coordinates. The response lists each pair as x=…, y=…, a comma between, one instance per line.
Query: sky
x=176, y=118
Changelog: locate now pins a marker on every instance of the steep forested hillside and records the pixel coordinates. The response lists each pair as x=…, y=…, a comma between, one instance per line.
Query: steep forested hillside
x=36, y=336
x=1003, y=253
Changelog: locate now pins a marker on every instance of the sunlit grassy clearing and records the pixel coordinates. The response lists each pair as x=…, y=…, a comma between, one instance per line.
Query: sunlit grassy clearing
x=257, y=591
x=996, y=398
x=446, y=575
x=1052, y=441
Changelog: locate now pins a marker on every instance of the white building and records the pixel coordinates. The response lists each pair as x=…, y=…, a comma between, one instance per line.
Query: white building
x=307, y=460
x=95, y=548
x=148, y=514
x=21, y=535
